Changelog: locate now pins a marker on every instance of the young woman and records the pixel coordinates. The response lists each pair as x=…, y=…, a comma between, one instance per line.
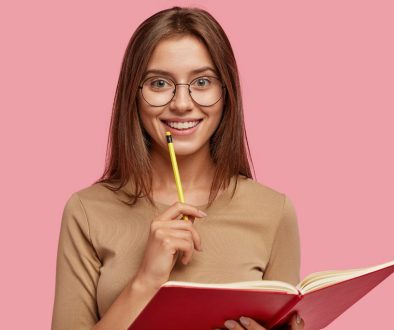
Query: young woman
x=123, y=237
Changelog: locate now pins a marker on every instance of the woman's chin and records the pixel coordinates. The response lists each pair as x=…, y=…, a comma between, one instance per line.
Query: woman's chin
x=185, y=151
x=187, y=148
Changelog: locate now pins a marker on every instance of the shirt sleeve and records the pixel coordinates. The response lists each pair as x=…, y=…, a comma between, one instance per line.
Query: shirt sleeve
x=284, y=262
x=77, y=271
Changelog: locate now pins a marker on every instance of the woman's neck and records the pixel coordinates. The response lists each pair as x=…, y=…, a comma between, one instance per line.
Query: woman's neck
x=196, y=170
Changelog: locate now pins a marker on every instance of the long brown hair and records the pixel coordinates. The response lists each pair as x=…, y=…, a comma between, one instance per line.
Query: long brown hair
x=128, y=158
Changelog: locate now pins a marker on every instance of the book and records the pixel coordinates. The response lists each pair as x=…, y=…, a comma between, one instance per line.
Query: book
x=319, y=299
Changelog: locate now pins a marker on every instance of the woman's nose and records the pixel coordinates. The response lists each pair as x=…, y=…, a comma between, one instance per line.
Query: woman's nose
x=182, y=99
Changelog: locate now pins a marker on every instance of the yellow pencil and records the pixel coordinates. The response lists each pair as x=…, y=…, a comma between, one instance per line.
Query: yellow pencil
x=175, y=169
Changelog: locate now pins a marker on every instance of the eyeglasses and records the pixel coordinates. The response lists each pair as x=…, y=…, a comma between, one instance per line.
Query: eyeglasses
x=158, y=91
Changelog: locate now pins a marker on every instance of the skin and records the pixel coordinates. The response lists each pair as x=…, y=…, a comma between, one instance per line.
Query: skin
x=296, y=323
x=179, y=56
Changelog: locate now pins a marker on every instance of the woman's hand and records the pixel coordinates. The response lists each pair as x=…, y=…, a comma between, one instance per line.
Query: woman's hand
x=167, y=236
x=296, y=323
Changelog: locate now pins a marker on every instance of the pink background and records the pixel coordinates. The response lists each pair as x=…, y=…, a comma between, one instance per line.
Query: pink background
x=317, y=79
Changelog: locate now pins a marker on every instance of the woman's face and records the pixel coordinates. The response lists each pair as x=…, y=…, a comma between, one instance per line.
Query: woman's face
x=179, y=57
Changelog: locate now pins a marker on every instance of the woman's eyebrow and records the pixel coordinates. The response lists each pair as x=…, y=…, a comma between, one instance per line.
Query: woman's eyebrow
x=158, y=71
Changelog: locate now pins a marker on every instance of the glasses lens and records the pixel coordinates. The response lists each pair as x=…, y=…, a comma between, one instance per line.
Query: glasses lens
x=205, y=91
x=158, y=91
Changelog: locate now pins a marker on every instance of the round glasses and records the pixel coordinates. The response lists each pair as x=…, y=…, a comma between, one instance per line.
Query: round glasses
x=158, y=91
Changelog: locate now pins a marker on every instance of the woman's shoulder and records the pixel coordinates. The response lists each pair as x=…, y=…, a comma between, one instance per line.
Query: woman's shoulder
x=100, y=204
x=257, y=190
x=99, y=196
x=95, y=192
x=264, y=198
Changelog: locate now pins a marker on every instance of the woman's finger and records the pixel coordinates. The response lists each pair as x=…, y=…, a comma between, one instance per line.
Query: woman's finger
x=233, y=325
x=186, y=236
x=172, y=245
x=179, y=208
x=250, y=324
x=185, y=229
x=244, y=323
x=296, y=322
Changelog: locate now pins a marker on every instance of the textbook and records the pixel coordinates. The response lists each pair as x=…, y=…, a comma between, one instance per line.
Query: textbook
x=319, y=299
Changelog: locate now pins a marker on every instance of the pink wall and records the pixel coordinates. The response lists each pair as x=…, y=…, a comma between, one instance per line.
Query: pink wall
x=317, y=80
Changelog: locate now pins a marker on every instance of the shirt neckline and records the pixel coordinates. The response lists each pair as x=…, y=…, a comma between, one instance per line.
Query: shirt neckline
x=219, y=200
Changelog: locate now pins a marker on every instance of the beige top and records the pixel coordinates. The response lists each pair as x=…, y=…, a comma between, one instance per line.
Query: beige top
x=251, y=237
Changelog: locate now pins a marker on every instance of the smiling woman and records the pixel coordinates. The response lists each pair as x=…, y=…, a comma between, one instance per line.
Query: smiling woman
x=181, y=56
x=120, y=237
x=166, y=64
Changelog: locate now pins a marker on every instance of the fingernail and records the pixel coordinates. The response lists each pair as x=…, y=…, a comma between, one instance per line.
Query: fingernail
x=244, y=320
x=229, y=324
x=298, y=319
x=202, y=213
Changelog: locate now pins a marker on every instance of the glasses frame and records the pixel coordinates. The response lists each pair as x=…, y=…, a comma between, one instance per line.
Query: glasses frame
x=174, y=90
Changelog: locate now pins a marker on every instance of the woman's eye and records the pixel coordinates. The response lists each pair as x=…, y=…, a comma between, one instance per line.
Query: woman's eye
x=159, y=83
x=202, y=82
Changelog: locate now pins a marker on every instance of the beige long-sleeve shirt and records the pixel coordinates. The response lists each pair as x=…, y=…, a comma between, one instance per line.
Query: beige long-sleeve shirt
x=252, y=236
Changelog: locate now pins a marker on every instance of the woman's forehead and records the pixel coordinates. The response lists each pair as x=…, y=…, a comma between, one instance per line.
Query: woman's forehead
x=180, y=56
x=206, y=70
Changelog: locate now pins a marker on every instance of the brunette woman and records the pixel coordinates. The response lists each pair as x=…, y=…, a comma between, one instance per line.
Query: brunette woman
x=123, y=237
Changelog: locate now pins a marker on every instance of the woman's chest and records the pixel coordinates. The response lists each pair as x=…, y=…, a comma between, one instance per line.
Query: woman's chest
x=233, y=251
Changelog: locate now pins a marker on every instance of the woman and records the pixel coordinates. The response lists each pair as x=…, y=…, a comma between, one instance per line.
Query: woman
x=120, y=237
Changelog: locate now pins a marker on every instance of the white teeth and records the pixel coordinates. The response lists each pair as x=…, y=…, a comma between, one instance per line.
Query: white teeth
x=184, y=125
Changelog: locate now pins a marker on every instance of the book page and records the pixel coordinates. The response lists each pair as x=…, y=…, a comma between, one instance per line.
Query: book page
x=251, y=285
x=323, y=279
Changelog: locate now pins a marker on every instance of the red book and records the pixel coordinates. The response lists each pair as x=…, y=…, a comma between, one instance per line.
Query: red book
x=319, y=299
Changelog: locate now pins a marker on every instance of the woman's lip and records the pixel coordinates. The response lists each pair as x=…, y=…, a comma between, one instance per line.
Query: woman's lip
x=178, y=132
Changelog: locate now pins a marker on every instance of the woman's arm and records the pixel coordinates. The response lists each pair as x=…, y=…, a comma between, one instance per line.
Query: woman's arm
x=283, y=265
x=285, y=257
x=167, y=237
x=77, y=274
x=78, y=268
x=127, y=306
x=77, y=271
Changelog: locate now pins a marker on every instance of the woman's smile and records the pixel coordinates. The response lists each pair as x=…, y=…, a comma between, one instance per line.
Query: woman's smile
x=188, y=62
x=181, y=128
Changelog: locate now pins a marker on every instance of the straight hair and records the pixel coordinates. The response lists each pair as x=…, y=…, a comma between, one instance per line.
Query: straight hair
x=128, y=147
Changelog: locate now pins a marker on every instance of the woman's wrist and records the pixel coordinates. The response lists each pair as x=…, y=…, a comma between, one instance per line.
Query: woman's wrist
x=143, y=284
x=126, y=308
